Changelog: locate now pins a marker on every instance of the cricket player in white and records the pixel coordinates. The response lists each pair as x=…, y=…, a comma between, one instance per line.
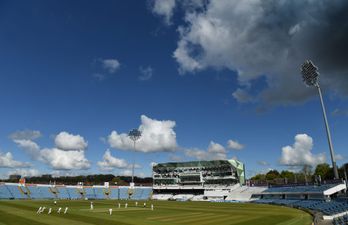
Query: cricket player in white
x=39, y=210
x=152, y=207
x=110, y=212
x=66, y=210
x=60, y=209
x=92, y=207
x=49, y=210
x=136, y=204
x=119, y=205
x=126, y=205
x=144, y=204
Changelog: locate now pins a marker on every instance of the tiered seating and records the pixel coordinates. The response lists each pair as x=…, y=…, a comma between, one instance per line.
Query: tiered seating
x=146, y=193
x=89, y=192
x=300, y=189
x=99, y=193
x=73, y=193
x=137, y=193
x=45, y=192
x=341, y=220
x=40, y=191
x=16, y=193
x=123, y=192
x=326, y=207
x=113, y=193
x=4, y=192
x=63, y=192
x=34, y=192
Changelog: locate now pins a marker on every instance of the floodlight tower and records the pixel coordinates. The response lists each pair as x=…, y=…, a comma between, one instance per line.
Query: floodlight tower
x=310, y=77
x=134, y=135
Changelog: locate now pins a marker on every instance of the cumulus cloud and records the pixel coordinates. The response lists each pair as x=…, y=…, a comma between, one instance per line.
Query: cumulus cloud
x=235, y=145
x=110, y=162
x=164, y=8
x=30, y=147
x=25, y=134
x=111, y=65
x=157, y=136
x=300, y=153
x=146, y=73
x=215, y=151
x=64, y=160
x=67, y=155
x=268, y=39
x=7, y=161
x=128, y=172
x=66, y=141
x=25, y=172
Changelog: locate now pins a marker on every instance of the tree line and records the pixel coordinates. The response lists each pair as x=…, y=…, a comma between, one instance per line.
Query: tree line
x=307, y=174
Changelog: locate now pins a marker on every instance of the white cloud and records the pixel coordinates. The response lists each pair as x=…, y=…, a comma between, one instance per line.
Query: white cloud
x=215, y=151
x=68, y=155
x=64, y=160
x=156, y=136
x=235, y=145
x=164, y=8
x=30, y=147
x=264, y=39
x=111, y=65
x=146, y=73
x=109, y=162
x=242, y=96
x=68, y=142
x=25, y=134
x=25, y=172
x=128, y=173
x=300, y=153
x=69, y=173
x=7, y=161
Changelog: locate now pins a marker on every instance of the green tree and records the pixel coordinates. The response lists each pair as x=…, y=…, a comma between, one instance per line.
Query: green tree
x=272, y=174
x=324, y=171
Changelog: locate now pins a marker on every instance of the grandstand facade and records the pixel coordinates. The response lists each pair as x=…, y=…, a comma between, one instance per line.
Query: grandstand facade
x=182, y=180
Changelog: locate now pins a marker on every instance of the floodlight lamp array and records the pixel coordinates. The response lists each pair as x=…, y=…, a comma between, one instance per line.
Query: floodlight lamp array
x=134, y=134
x=310, y=74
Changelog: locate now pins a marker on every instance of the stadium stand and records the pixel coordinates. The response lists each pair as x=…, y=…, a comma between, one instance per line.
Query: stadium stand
x=34, y=192
x=4, y=192
x=63, y=192
x=99, y=194
x=113, y=193
x=45, y=191
x=89, y=192
x=41, y=191
x=16, y=191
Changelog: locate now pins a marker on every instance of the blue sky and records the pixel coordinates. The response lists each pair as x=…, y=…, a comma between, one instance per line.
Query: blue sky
x=79, y=70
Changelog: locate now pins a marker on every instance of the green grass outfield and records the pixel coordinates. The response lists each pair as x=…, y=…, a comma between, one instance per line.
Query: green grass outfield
x=23, y=212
